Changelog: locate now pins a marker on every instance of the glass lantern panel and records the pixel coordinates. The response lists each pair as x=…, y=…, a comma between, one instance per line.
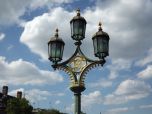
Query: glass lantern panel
x=105, y=45
x=75, y=27
x=53, y=50
x=58, y=50
x=84, y=28
x=100, y=45
x=95, y=45
x=49, y=53
x=62, y=48
x=71, y=28
x=81, y=28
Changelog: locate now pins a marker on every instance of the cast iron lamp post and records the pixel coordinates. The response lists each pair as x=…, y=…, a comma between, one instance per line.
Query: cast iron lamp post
x=78, y=64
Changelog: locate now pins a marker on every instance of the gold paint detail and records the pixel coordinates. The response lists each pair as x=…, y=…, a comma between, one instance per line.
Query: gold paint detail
x=77, y=64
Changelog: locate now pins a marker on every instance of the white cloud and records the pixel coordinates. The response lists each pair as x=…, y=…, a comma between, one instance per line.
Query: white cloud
x=128, y=90
x=113, y=99
x=117, y=110
x=21, y=72
x=124, y=21
x=35, y=95
x=2, y=36
x=145, y=106
x=87, y=102
x=133, y=87
x=70, y=108
x=93, y=98
x=10, y=47
x=101, y=83
x=146, y=73
x=11, y=11
x=117, y=66
x=146, y=60
x=48, y=3
x=57, y=102
x=14, y=92
x=37, y=32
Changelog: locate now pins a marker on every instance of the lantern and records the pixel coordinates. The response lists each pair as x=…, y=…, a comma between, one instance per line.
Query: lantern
x=55, y=48
x=101, y=43
x=78, y=26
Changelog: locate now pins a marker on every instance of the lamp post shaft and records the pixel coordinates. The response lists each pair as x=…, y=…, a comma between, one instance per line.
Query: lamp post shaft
x=77, y=107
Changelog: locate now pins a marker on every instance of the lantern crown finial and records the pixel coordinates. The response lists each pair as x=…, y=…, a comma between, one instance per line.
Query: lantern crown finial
x=100, y=24
x=78, y=12
x=56, y=33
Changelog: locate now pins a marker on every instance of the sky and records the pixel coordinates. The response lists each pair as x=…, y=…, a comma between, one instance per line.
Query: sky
x=122, y=86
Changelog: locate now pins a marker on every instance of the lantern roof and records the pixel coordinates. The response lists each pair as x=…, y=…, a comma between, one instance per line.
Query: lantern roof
x=78, y=17
x=56, y=37
x=100, y=32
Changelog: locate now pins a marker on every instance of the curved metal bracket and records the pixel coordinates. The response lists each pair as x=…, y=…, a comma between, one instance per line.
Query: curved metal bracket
x=89, y=67
x=77, y=66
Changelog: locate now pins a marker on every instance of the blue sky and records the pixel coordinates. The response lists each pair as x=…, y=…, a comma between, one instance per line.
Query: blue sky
x=122, y=86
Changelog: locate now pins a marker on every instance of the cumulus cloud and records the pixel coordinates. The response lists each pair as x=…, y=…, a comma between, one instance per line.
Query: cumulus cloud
x=128, y=90
x=2, y=36
x=35, y=95
x=146, y=60
x=11, y=11
x=146, y=73
x=88, y=100
x=145, y=106
x=124, y=21
x=14, y=92
x=117, y=110
x=133, y=87
x=48, y=3
x=101, y=83
x=38, y=31
x=117, y=66
x=91, y=99
x=21, y=72
x=57, y=102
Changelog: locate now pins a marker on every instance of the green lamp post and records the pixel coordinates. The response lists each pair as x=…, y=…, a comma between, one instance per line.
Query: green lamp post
x=78, y=64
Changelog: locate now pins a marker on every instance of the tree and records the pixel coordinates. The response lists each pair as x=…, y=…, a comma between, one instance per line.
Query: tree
x=18, y=106
x=51, y=111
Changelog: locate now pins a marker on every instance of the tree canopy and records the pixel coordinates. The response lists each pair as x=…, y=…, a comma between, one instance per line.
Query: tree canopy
x=50, y=111
x=18, y=106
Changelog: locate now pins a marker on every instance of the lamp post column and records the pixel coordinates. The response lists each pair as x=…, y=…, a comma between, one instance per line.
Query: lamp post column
x=77, y=89
x=77, y=107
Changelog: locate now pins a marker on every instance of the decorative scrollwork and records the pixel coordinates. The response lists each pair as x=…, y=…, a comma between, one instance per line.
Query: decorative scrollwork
x=77, y=67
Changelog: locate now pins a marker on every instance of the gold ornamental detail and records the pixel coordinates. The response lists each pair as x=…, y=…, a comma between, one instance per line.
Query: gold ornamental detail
x=78, y=63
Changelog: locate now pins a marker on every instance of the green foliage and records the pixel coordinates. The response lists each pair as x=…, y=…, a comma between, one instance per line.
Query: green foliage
x=18, y=106
x=52, y=111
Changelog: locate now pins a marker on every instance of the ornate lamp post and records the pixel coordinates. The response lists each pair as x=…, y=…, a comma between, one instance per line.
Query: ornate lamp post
x=78, y=64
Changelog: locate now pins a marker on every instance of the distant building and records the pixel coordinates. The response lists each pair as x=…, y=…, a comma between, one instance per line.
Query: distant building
x=4, y=97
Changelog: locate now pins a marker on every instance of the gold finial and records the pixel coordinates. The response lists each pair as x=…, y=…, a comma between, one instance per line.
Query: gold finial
x=56, y=34
x=100, y=24
x=78, y=12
